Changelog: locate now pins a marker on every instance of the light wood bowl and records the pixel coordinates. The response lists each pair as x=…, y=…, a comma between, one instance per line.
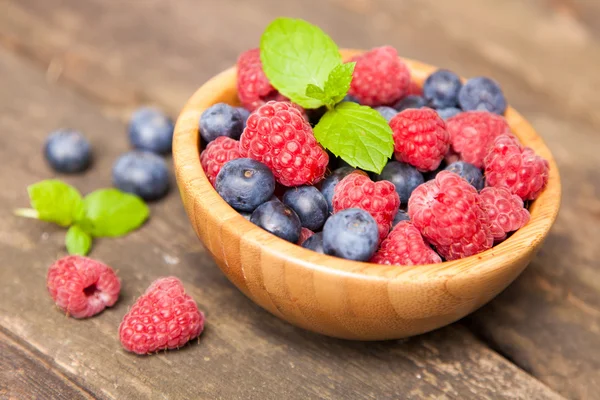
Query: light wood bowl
x=336, y=297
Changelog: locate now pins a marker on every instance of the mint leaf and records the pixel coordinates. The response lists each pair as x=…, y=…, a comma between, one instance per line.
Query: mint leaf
x=78, y=241
x=358, y=134
x=295, y=54
x=54, y=201
x=338, y=82
x=110, y=212
x=315, y=92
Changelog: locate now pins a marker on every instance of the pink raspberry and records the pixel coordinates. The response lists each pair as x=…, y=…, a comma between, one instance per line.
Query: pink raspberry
x=254, y=89
x=473, y=132
x=379, y=199
x=305, y=233
x=216, y=154
x=82, y=287
x=380, y=77
x=448, y=211
x=405, y=246
x=277, y=135
x=164, y=317
x=420, y=138
x=414, y=89
x=505, y=211
x=518, y=168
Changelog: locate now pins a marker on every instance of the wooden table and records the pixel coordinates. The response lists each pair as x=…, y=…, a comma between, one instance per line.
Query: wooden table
x=88, y=64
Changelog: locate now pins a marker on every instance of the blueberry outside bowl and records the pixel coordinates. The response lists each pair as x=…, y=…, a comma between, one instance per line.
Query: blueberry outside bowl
x=336, y=297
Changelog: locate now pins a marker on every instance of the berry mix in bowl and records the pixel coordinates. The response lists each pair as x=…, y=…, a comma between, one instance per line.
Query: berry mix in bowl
x=385, y=197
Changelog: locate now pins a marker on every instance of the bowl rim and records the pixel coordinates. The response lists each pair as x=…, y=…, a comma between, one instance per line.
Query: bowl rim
x=194, y=186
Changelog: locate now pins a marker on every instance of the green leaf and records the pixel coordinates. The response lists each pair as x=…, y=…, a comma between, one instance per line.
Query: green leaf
x=315, y=92
x=55, y=201
x=110, y=212
x=338, y=82
x=78, y=241
x=358, y=134
x=295, y=54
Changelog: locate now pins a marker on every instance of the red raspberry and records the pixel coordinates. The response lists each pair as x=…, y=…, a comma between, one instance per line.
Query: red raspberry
x=518, y=168
x=379, y=199
x=473, y=132
x=82, y=287
x=164, y=317
x=305, y=233
x=254, y=89
x=405, y=246
x=380, y=77
x=448, y=211
x=505, y=211
x=420, y=138
x=216, y=154
x=414, y=89
x=277, y=135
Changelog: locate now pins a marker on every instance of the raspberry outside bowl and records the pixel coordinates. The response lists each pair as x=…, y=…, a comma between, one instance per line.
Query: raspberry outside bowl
x=337, y=297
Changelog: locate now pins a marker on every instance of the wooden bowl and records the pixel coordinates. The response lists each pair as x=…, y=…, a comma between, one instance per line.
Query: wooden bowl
x=333, y=296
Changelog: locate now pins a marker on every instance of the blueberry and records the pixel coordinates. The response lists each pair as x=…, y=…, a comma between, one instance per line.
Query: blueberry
x=278, y=219
x=483, y=94
x=244, y=114
x=449, y=112
x=386, y=112
x=68, y=151
x=246, y=215
x=351, y=98
x=400, y=216
x=245, y=183
x=221, y=120
x=314, y=243
x=351, y=234
x=309, y=204
x=329, y=183
x=469, y=172
x=142, y=173
x=410, y=101
x=151, y=130
x=405, y=178
x=441, y=89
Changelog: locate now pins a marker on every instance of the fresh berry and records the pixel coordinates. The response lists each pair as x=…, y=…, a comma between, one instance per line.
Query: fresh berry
x=246, y=215
x=278, y=219
x=386, y=112
x=82, y=287
x=351, y=98
x=405, y=246
x=245, y=184
x=518, y=168
x=309, y=204
x=328, y=185
x=68, y=151
x=446, y=113
x=216, y=154
x=305, y=234
x=420, y=138
x=351, y=234
x=451, y=157
x=315, y=243
x=379, y=77
x=164, y=317
x=414, y=89
x=405, y=178
x=244, y=114
x=277, y=135
x=441, y=89
x=400, y=216
x=505, y=211
x=482, y=94
x=221, y=120
x=411, y=101
x=473, y=132
x=252, y=84
x=151, y=130
x=468, y=172
x=141, y=173
x=449, y=214
x=377, y=198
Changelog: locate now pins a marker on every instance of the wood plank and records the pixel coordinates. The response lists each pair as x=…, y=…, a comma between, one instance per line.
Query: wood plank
x=245, y=352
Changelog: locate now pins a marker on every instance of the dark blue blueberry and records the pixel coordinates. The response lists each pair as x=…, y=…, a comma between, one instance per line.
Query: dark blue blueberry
x=386, y=112
x=410, y=101
x=309, y=204
x=221, y=120
x=351, y=234
x=351, y=98
x=278, y=219
x=315, y=243
x=68, y=151
x=151, y=130
x=244, y=114
x=405, y=178
x=400, y=216
x=449, y=112
x=469, y=172
x=142, y=173
x=245, y=183
x=482, y=94
x=328, y=185
x=246, y=215
x=441, y=89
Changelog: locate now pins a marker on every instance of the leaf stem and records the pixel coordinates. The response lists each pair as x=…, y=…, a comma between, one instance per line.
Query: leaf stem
x=27, y=213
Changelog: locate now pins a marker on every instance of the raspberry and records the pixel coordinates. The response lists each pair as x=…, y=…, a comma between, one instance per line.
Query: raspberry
x=505, y=211
x=254, y=89
x=305, y=233
x=82, y=287
x=277, y=135
x=380, y=78
x=473, y=132
x=515, y=167
x=448, y=211
x=164, y=317
x=405, y=246
x=420, y=138
x=216, y=154
x=377, y=198
x=414, y=89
